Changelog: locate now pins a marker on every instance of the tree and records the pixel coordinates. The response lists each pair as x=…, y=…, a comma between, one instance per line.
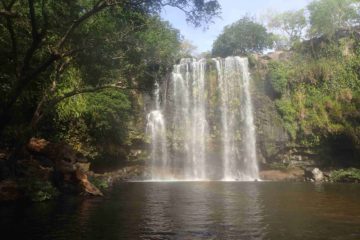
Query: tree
x=328, y=16
x=114, y=64
x=242, y=37
x=280, y=42
x=41, y=39
x=290, y=23
x=187, y=49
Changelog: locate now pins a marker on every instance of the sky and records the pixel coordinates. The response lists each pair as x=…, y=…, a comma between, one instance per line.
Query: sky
x=232, y=10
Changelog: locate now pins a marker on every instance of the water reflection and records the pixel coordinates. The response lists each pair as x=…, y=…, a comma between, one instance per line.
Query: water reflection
x=208, y=210
x=194, y=211
x=156, y=222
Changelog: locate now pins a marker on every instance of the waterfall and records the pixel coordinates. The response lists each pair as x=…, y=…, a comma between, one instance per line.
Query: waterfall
x=182, y=144
x=238, y=130
x=156, y=129
x=189, y=117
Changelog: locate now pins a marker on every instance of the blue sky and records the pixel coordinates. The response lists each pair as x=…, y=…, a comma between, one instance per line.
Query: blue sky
x=232, y=10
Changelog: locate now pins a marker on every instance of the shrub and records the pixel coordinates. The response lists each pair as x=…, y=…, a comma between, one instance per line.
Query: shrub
x=38, y=190
x=279, y=166
x=288, y=114
x=100, y=183
x=345, y=175
x=279, y=77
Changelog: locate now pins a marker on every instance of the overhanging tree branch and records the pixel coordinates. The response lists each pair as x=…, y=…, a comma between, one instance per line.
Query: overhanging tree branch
x=36, y=41
x=25, y=77
x=100, y=5
x=6, y=13
x=34, y=30
x=14, y=48
x=44, y=106
x=29, y=69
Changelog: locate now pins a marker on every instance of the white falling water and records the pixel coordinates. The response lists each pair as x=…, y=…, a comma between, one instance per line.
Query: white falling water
x=189, y=117
x=157, y=130
x=188, y=127
x=238, y=130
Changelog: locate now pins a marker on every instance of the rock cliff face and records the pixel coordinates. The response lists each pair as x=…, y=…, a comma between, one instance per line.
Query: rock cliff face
x=42, y=169
x=274, y=144
x=67, y=166
x=272, y=138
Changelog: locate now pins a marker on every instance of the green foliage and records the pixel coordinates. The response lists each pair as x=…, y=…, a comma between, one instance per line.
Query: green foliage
x=321, y=18
x=187, y=49
x=328, y=16
x=242, y=37
x=279, y=166
x=54, y=52
x=101, y=121
x=197, y=11
x=279, y=75
x=280, y=42
x=73, y=71
x=100, y=183
x=291, y=23
x=318, y=94
x=108, y=112
x=252, y=60
x=345, y=175
x=288, y=114
x=38, y=190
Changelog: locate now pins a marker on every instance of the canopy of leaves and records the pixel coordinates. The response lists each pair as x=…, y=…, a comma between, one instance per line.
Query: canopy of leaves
x=54, y=52
x=187, y=49
x=328, y=16
x=242, y=37
x=291, y=23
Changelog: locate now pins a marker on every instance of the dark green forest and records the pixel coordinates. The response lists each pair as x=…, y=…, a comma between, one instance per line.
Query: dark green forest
x=73, y=71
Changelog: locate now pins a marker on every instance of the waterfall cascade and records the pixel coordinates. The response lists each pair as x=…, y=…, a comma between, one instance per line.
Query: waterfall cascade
x=156, y=129
x=209, y=132
x=189, y=115
x=237, y=119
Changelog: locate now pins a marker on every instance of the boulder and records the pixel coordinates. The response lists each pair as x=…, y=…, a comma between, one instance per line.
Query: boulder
x=63, y=156
x=87, y=187
x=318, y=175
x=70, y=166
x=313, y=175
x=30, y=168
x=37, y=145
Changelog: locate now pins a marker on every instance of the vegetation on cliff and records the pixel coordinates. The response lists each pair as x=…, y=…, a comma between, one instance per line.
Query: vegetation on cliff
x=317, y=89
x=316, y=86
x=318, y=95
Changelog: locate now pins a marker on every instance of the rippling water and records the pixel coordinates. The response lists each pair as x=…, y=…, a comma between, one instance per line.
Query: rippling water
x=194, y=210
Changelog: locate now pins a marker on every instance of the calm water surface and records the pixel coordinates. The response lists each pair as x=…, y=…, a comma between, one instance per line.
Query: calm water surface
x=194, y=210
